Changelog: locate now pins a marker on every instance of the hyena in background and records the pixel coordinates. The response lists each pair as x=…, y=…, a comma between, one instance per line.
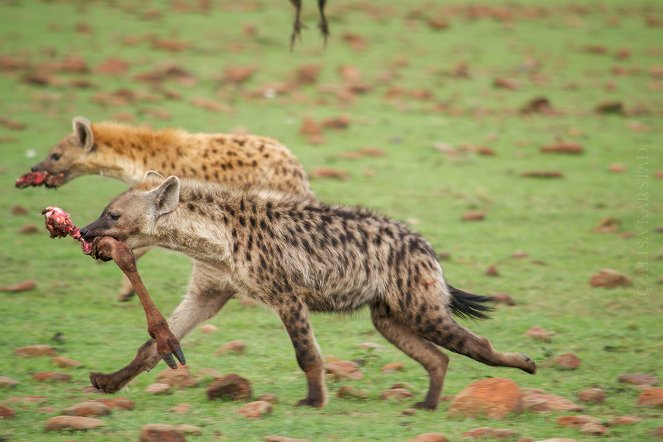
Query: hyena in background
x=127, y=153
x=298, y=256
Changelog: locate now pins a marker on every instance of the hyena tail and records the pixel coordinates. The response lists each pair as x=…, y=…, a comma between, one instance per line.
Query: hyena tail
x=467, y=305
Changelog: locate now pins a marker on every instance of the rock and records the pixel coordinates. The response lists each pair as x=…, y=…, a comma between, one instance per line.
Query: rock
x=229, y=387
x=30, y=399
x=594, y=429
x=370, y=346
x=617, y=168
x=6, y=412
x=396, y=393
x=534, y=399
x=329, y=172
x=42, y=376
x=29, y=229
x=343, y=370
x=491, y=270
x=22, y=286
x=208, y=328
x=283, y=439
x=609, y=278
x=576, y=421
x=19, y=210
x=63, y=362
x=540, y=333
x=608, y=225
x=179, y=379
x=160, y=433
x=519, y=254
x=116, y=403
x=651, y=397
x=7, y=382
x=543, y=174
x=495, y=398
x=429, y=437
x=271, y=398
x=237, y=347
x=640, y=379
x=181, y=408
x=474, y=215
x=35, y=350
x=625, y=420
x=503, y=298
x=563, y=147
x=255, y=409
x=312, y=131
x=338, y=123
x=347, y=392
x=409, y=412
x=158, y=388
x=567, y=361
x=189, y=429
x=489, y=433
x=78, y=423
x=657, y=433
x=592, y=395
x=87, y=409
x=393, y=367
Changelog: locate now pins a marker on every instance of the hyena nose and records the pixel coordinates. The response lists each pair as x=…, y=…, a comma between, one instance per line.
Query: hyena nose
x=84, y=233
x=35, y=169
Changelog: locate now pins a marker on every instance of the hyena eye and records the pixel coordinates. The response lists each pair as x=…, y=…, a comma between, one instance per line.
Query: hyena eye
x=114, y=216
x=55, y=156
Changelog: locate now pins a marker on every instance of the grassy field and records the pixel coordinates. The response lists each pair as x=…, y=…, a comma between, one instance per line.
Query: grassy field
x=431, y=99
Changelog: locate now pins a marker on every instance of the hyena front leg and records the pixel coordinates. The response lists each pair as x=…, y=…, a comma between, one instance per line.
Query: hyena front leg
x=206, y=296
x=428, y=355
x=127, y=290
x=294, y=315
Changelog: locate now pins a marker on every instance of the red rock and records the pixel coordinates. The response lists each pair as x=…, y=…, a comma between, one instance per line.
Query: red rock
x=563, y=147
x=208, y=328
x=540, y=334
x=592, y=395
x=7, y=382
x=519, y=254
x=63, y=362
x=160, y=433
x=340, y=122
x=116, y=403
x=396, y=393
x=19, y=210
x=181, y=408
x=22, y=286
x=489, y=433
x=30, y=399
x=495, y=398
x=236, y=347
x=609, y=278
x=255, y=409
x=538, y=400
x=503, y=298
x=474, y=215
x=229, y=387
x=409, y=412
x=617, y=168
x=543, y=174
x=576, y=421
x=642, y=379
x=625, y=420
x=393, y=367
x=485, y=151
x=87, y=409
x=491, y=270
x=267, y=397
x=567, y=361
x=112, y=66
x=192, y=430
x=158, y=388
x=307, y=74
x=651, y=397
x=343, y=370
x=608, y=225
x=28, y=229
x=505, y=83
x=538, y=105
x=594, y=429
x=328, y=172
x=312, y=130
x=51, y=376
x=78, y=423
x=347, y=392
x=274, y=438
x=6, y=412
x=375, y=152
x=370, y=346
x=35, y=350
x=657, y=432
x=179, y=379
x=610, y=107
x=429, y=437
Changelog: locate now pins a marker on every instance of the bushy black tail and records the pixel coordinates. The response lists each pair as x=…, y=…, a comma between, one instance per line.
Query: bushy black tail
x=468, y=306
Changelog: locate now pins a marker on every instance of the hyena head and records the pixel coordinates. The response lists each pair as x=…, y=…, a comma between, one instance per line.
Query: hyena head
x=69, y=156
x=132, y=216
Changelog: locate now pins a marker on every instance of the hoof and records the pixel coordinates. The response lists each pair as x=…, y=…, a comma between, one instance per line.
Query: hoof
x=425, y=406
x=104, y=383
x=529, y=365
x=309, y=402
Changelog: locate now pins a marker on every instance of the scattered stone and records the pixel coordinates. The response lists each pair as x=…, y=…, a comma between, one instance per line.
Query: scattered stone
x=393, y=367
x=179, y=379
x=312, y=131
x=537, y=400
x=6, y=412
x=651, y=397
x=625, y=420
x=22, y=286
x=370, y=346
x=657, y=433
x=328, y=172
x=78, y=423
x=158, y=388
x=563, y=147
x=594, y=429
x=505, y=83
x=347, y=392
x=19, y=210
x=538, y=105
x=28, y=229
x=567, y=361
x=489, y=433
x=236, y=347
x=608, y=225
x=503, y=298
x=116, y=403
x=35, y=350
x=87, y=409
x=576, y=421
x=640, y=379
x=543, y=174
x=592, y=395
x=429, y=437
x=409, y=412
x=617, y=168
x=283, y=439
x=7, y=382
x=343, y=370
x=268, y=397
x=181, y=408
x=609, y=278
x=495, y=398
x=540, y=333
x=42, y=376
x=396, y=393
x=208, y=328
x=255, y=409
x=491, y=270
x=229, y=387
x=63, y=362
x=610, y=107
x=189, y=429
x=160, y=433
x=340, y=122
x=30, y=399
x=519, y=254
x=474, y=215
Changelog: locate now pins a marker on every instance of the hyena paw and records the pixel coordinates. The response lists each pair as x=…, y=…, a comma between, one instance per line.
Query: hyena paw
x=423, y=405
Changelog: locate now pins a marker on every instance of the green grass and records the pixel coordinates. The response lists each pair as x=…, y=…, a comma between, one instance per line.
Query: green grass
x=613, y=331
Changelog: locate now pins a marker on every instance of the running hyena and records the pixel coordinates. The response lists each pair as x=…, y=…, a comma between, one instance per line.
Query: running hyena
x=127, y=153
x=298, y=256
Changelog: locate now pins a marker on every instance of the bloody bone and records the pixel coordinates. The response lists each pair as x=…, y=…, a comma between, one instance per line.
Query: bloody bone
x=106, y=248
x=40, y=178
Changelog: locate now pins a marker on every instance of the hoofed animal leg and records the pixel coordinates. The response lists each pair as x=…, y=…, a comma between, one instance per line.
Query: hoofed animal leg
x=127, y=290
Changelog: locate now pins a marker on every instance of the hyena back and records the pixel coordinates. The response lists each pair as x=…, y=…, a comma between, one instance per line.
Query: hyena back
x=299, y=256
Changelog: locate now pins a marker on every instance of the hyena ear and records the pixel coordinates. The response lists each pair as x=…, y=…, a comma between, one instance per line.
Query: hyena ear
x=83, y=130
x=152, y=174
x=167, y=195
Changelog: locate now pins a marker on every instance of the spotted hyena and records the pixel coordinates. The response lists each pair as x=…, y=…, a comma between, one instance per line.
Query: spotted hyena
x=127, y=153
x=298, y=256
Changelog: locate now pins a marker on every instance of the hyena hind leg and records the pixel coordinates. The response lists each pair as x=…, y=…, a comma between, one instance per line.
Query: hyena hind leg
x=419, y=349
